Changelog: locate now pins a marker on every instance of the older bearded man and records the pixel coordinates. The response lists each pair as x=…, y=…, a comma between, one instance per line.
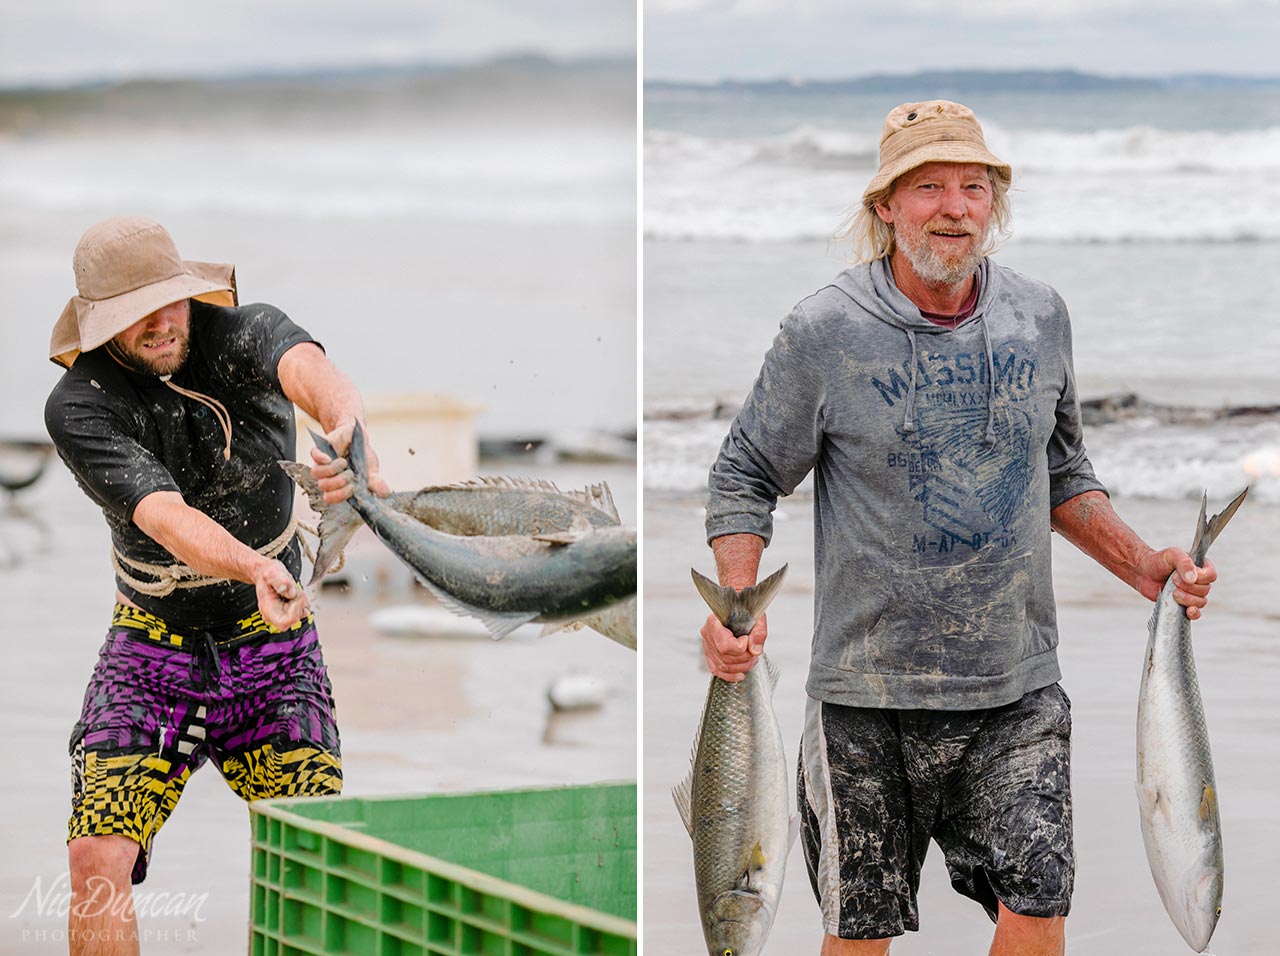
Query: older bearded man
x=932, y=393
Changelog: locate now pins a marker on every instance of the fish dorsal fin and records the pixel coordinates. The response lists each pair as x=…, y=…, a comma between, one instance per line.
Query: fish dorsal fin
x=739, y=610
x=598, y=496
x=683, y=793
x=683, y=796
x=498, y=624
x=1207, y=531
x=482, y=482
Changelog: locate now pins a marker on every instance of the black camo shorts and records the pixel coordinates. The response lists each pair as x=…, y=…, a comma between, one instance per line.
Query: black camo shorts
x=992, y=787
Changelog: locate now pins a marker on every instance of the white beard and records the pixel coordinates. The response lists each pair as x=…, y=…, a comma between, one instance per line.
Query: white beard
x=932, y=267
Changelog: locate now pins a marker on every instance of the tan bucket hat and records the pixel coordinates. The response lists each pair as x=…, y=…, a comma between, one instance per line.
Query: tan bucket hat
x=127, y=267
x=934, y=131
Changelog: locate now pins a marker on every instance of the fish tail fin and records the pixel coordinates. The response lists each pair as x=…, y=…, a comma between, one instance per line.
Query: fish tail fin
x=749, y=603
x=338, y=523
x=323, y=444
x=301, y=474
x=1207, y=531
x=355, y=455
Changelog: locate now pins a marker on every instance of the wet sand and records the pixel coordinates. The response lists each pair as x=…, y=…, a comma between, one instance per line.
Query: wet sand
x=1103, y=628
x=417, y=715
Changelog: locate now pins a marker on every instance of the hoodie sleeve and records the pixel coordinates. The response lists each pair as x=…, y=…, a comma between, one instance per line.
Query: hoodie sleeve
x=774, y=440
x=1070, y=471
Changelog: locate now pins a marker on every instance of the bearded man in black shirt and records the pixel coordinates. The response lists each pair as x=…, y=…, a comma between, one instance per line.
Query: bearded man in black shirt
x=174, y=409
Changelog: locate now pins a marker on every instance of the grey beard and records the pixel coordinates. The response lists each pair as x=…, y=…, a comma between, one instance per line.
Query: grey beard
x=935, y=270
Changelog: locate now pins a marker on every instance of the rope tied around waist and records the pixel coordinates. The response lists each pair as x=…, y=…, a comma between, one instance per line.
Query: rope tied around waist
x=170, y=577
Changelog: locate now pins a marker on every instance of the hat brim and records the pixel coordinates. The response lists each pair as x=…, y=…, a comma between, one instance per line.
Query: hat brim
x=86, y=324
x=939, y=151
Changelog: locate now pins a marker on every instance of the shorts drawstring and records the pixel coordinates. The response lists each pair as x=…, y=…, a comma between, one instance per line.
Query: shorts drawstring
x=205, y=665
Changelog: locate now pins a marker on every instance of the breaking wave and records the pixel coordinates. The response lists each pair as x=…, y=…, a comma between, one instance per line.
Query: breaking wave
x=1138, y=449
x=1135, y=184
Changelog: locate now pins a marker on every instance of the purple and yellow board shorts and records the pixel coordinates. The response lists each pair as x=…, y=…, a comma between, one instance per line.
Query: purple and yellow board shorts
x=160, y=703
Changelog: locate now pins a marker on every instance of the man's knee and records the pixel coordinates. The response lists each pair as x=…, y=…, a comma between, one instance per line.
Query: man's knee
x=1023, y=935
x=110, y=856
x=835, y=946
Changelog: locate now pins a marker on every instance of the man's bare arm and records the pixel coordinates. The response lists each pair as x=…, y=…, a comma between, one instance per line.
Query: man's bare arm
x=324, y=392
x=1090, y=523
x=205, y=546
x=737, y=565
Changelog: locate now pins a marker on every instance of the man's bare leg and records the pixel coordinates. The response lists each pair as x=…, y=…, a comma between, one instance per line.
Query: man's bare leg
x=101, y=921
x=1028, y=935
x=835, y=946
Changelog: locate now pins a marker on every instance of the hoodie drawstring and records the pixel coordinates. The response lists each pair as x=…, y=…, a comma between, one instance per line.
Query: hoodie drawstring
x=909, y=420
x=989, y=438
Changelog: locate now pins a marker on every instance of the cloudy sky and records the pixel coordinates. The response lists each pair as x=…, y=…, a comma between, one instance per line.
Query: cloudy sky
x=753, y=39
x=55, y=41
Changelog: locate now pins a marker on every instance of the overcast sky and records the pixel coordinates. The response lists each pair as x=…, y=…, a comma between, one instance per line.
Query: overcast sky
x=755, y=39
x=54, y=41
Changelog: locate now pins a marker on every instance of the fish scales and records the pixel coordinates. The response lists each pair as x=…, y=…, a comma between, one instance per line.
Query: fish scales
x=1177, y=791
x=734, y=801
x=498, y=511
x=740, y=759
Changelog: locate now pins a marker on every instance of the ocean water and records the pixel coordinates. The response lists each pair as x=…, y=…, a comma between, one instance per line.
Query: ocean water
x=469, y=231
x=1148, y=211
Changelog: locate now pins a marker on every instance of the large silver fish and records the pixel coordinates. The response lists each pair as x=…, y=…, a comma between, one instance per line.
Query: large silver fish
x=557, y=577
x=482, y=506
x=734, y=800
x=1177, y=796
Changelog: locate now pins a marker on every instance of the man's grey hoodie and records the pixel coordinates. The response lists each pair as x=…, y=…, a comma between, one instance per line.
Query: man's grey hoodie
x=938, y=455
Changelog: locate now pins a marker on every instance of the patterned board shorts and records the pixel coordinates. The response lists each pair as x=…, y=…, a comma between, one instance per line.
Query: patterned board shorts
x=991, y=787
x=161, y=703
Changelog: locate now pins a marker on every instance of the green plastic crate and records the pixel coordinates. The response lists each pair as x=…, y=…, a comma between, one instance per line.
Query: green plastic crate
x=538, y=872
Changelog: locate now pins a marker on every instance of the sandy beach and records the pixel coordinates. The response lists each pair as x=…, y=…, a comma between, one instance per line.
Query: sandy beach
x=417, y=715
x=1103, y=629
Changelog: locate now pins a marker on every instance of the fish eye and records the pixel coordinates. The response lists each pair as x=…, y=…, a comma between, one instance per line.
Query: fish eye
x=1218, y=911
x=727, y=952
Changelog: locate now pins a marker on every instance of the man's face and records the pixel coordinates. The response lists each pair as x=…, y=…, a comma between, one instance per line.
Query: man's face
x=158, y=343
x=941, y=218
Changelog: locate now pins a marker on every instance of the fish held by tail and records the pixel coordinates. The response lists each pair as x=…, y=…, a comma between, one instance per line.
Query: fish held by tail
x=739, y=610
x=733, y=802
x=1207, y=531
